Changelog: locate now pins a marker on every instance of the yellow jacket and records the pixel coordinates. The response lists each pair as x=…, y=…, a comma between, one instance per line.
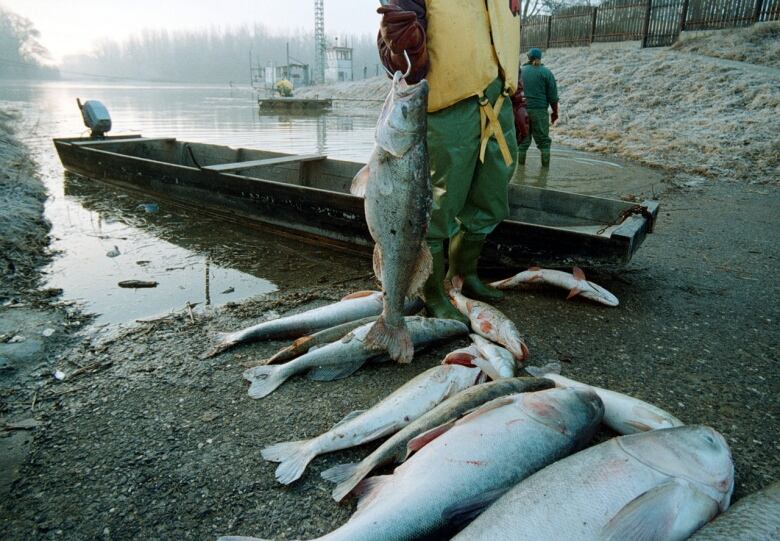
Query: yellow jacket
x=470, y=43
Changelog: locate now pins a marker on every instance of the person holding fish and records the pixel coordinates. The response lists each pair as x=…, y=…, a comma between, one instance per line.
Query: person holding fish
x=469, y=52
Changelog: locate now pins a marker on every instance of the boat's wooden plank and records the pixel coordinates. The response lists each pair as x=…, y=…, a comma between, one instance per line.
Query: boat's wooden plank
x=125, y=140
x=224, y=167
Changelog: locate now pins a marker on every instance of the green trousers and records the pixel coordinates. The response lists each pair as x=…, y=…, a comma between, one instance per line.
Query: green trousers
x=468, y=194
x=540, y=130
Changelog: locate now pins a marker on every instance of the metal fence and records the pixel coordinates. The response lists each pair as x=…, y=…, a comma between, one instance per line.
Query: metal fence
x=653, y=22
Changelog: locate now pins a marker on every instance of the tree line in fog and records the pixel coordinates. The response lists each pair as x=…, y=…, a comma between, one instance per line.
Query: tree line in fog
x=209, y=56
x=21, y=54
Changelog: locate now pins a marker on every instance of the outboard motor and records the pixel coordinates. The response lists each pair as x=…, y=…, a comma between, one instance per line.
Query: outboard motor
x=95, y=116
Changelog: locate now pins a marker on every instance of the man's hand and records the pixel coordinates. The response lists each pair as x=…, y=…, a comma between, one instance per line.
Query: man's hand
x=554, y=115
x=522, y=122
x=400, y=31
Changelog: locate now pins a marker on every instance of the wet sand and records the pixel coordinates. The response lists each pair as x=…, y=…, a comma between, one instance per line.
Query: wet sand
x=149, y=441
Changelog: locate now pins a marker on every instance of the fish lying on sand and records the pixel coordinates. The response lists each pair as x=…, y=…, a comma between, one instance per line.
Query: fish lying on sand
x=395, y=450
x=467, y=466
x=397, y=410
x=488, y=321
x=340, y=359
x=396, y=185
x=753, y=518
x=574, y=282
x=660, y=485
x=622, y=413
x=354, y=306
x=305, y=343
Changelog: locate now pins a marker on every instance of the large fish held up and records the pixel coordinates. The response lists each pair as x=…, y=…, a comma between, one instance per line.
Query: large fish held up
x=396, y=186
x=660, y=485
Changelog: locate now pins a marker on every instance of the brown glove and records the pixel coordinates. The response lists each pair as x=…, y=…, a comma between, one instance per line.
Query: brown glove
x=522, y=123
x=554, y=115
x=399, y=31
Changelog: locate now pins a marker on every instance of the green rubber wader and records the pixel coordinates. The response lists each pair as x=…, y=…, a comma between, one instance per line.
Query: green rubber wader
x=540, y=132
x=468, y=194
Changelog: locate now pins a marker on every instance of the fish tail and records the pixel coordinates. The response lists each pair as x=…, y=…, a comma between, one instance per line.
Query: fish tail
x=223, y=342
x=293, y=456
x=553, y=367
x=346, y=477
x=265, y=379
x=395, y=339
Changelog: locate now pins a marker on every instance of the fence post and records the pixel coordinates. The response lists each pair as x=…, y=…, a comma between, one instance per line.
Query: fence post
x=549, y=31
x=646, y=25
x=593, y=26
x=757, y=12
x=684, y=15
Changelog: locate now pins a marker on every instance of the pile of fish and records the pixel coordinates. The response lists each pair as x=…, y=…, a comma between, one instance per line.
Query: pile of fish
x=476, y=459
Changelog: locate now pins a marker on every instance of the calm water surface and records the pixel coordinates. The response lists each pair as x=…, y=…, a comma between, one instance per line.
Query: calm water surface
x=204, y=260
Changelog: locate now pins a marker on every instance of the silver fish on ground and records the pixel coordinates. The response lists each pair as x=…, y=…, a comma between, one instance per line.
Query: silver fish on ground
x=325, y=336
x=396, y=185
x=500, y=358
x=654, y=486
x=488, y=321
x=397, y=410
x=354, y=306
x=340, y=359
x=396, y=449
x=622, y=413
x=575, y=282
x=466, y=467
x=753, y=518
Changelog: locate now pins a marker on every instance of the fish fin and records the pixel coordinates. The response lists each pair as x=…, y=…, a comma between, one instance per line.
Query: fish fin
x=422, y=269
x=535, y=269
x=671, y=510
x=347, y=477
x=502, y=284
x=460, y=357
x=578, y=274
x=487, y=368
x=223, y=343
x=264, y=379
x=358, y=295
x=486, y=407
x=340, y=473
x=468, y=509
x=573, y=292
x=638, y=426
x=349, y=416
x=457, y=283
x=553, y=367
x=420, y=441
x=360, y=182
x=293, y=457
x=396, y=340
x=377, y=263
x=334, y=371
x=368, y=489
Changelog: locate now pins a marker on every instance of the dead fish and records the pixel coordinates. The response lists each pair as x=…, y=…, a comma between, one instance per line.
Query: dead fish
x=501, y=359
x=397, y=410
x=340, y=359
x=398, y=199
x=396, y=448
x=468, y=465
x=354, y=306
x=574, y=282
x=489, y=322
x=137, y=284
x=752, y=518
x=660, y=485
x=326, y=336
x=622, y=413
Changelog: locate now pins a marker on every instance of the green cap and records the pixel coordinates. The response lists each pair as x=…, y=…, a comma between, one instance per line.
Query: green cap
x=535, y=54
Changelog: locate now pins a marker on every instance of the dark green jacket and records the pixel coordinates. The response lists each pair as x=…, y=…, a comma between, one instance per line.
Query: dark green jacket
x=539, y=85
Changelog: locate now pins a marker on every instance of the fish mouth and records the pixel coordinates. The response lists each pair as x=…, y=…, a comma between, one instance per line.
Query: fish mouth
x=402, y=89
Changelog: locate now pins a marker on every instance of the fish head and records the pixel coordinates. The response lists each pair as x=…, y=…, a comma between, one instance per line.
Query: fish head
x=403, y=120
x=572, y=412
x=511, y=339
x=696, y=453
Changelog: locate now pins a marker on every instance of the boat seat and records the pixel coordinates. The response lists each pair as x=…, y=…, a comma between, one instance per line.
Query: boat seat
x=125, y=140
x=225, y=167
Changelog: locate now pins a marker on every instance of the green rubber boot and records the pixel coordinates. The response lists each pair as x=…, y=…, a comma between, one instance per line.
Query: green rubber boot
x=464, y=254
x=437, y=302
x=545, y=157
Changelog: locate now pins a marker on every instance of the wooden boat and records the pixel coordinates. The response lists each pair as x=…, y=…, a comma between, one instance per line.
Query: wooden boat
x=288, y=105
x=308, y=196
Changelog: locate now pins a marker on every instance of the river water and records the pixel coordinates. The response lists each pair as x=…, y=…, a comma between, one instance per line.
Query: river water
x=193, y=258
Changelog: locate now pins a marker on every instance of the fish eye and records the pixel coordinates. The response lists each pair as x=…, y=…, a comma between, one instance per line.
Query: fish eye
x=404, y=110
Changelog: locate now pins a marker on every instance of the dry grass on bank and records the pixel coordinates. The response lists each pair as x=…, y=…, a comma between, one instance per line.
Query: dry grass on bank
x=758, y=44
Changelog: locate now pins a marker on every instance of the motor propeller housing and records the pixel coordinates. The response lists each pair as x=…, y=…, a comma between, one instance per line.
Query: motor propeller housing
x=95, y=116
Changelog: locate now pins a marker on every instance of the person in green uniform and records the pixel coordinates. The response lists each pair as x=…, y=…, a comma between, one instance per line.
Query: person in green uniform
x=541, y=92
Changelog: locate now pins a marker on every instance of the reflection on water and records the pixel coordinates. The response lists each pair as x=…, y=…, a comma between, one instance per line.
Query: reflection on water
x=196, y=258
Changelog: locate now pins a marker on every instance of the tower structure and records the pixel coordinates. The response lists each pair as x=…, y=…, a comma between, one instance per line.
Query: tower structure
x=319, y=41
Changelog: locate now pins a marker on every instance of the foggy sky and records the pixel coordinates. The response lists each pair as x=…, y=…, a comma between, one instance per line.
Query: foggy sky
x=70, y=27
